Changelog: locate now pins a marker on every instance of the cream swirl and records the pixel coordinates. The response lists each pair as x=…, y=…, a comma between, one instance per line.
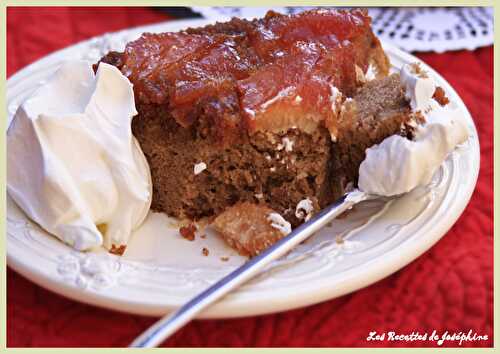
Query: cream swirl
x=398, y=165
x=73, y=164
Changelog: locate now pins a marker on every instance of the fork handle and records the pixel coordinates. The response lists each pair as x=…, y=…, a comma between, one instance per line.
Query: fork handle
x=169, y=324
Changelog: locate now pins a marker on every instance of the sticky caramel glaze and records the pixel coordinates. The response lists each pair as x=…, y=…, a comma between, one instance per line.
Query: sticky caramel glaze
x=268, y=74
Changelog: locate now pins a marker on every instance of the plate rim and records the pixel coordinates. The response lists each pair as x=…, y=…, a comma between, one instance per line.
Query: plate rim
x=232, y=306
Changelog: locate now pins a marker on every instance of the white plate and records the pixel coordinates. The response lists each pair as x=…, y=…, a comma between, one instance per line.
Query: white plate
x=161, y=270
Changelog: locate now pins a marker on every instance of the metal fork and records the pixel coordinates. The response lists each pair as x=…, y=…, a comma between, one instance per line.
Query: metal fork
x=169, y=324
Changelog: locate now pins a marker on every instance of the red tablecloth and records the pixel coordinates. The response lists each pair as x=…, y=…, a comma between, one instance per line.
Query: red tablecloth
x=449, y=288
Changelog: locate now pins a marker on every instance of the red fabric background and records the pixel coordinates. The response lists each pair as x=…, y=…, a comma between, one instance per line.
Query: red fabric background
x=449, y=288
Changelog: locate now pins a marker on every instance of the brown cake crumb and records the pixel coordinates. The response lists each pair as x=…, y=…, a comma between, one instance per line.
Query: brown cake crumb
x=224, y=258
x=440, y=96
x=204, y=251
x=118, y=250
x=188, y=232
x=203, y=236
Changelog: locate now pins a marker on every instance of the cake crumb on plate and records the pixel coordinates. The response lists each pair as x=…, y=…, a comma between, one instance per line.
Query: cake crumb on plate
x=188, y=232
x=118, y=250
x=250, y=228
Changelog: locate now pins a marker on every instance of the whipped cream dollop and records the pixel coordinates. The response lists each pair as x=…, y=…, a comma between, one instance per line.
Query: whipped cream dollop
x=398, y=165
x=73, y=164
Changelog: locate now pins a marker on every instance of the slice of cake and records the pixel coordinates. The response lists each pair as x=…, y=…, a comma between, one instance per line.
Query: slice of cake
x=275, y=112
